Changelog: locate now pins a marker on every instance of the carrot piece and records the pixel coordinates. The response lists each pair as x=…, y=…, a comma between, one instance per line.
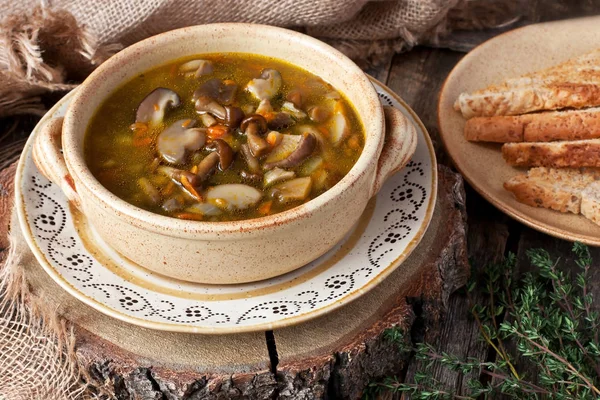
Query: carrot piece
x=229, y=82
x=186, y=184
x=194, y=169
x=272, y=139
x=139, y=134
x=169, y=188
x=217, y=131
x=269, y=116
x=139, y=127
x=141, y=142
x=323, y=130
x=265, y=208
x=186, y=123
x=354, y=142
x=189, y=216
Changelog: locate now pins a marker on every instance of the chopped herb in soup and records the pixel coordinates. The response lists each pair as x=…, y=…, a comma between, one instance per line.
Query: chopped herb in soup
x=223, y=137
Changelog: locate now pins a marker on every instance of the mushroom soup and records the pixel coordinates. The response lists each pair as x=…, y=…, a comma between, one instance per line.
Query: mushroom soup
x=223, y=137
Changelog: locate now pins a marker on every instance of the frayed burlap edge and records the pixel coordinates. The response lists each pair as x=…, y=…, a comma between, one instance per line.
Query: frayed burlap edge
x=42, y=52
x=37, y=348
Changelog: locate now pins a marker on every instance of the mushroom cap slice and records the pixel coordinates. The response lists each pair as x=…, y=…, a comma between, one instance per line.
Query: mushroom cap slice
x=236, y=196
x=264, y=107
x=152, y=109
x=290, y=108
x=174, y=142
x=233, y=116
x=305, y=148
x=221, y=91
x=338, y=128
x=206, y=104
x=198, y=67
x=224, y=151
x=319, y=114
x=266, y=86
x=280, y=120
x=205, y=209
x=277, y=175
x=293, y=190
x=288, y=144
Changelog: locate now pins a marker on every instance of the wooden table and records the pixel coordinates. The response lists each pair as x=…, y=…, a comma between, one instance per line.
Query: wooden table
x=417, y=77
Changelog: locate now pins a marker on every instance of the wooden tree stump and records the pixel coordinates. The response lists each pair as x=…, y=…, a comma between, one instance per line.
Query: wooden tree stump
x=335, y=355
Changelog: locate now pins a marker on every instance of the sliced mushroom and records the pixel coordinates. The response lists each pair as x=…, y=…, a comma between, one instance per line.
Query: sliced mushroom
x=295, y=96
x=294, y=190
x=318, y=114
x=277, y=175
x=205, y=104
x=224, y=151
x=172, y=204
x=178, y=139
x=208, y=120
x=266, y=86
x=286, y=146
x=152, y=109
x=311, y=165
x=206, y=166
x=221, y=91
x=234, y=196
x=233, y=116
x=197, y=67
x=264, y=108
x=205, y=209
x=149, y=190
x=280, y=120
x=338, y=128
x=254, y=126
x=247, y=109
x=333, y=94
x=175, y=174
x=303, y=151
x=258, y=146
x=322, y=141
x=290, y=108
x=252, y=162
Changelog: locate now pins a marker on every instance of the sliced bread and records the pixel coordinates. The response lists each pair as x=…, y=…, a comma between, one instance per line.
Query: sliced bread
x=557, y=189
x=538, y=127
x=590, y=202
x=572, y=84
x=576, y=153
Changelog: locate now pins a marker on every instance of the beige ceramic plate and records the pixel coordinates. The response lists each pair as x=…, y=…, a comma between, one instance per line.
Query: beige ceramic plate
x=73, y=254
x=509, y=55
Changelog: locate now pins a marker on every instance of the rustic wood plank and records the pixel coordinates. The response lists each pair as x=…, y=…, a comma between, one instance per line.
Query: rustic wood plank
x=417, y=77
x=381, y=71
x=552, y=10
x=459, y=333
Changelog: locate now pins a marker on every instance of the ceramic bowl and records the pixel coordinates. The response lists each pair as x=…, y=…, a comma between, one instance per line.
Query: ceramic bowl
x=237, y=251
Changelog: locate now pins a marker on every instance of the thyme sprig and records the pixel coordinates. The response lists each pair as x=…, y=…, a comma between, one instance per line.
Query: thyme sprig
x=547, y=317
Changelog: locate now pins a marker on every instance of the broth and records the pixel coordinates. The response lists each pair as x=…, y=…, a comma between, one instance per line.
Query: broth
x=223, y=137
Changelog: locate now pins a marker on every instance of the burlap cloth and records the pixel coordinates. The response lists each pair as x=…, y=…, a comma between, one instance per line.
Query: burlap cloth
x=52, y=47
